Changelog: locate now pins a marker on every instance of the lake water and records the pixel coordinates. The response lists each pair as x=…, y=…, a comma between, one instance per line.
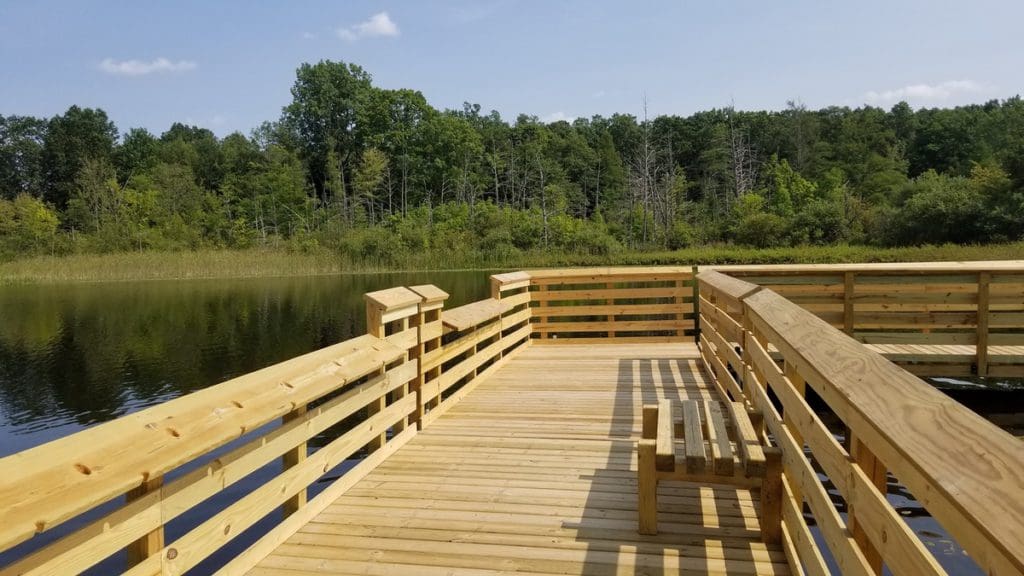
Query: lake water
x=72, y=356
x=75, y=355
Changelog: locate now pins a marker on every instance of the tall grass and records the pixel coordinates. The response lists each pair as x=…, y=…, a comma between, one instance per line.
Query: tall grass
x=279, y=262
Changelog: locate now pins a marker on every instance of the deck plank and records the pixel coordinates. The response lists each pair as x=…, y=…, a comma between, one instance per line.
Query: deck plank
x=535, y=472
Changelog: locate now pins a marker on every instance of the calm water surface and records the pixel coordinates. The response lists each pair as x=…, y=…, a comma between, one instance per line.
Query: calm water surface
x=72, y=356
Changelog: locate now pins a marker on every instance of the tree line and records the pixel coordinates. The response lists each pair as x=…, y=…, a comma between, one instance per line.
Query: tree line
x=376, y=173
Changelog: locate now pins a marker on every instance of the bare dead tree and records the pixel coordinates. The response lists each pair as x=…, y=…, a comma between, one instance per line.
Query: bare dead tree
x=742, y=157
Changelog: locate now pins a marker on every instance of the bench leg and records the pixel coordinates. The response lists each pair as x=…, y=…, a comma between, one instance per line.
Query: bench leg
x=647, y=487
x=771, y=497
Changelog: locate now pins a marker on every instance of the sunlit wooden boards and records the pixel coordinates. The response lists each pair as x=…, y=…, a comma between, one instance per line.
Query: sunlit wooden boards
x=46, y=485
x=968, y=470
x=924, y=307
x=606, y=305
x=534, y=471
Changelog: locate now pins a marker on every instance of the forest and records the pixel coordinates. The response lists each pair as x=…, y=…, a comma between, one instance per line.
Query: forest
x=376, y=174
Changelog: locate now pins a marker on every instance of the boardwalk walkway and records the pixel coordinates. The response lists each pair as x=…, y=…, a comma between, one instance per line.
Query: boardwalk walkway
x=534, y=472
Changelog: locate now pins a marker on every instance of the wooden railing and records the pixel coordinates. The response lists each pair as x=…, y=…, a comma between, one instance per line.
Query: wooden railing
x=115, y=487
x=612, y=304
x=965, y=471
x=966, y=314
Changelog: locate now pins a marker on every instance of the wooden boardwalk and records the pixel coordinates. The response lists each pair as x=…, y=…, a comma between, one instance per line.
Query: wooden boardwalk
x=501, y=436
x=534, y=471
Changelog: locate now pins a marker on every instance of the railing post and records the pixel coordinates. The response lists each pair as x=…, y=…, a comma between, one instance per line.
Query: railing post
x=876, y=472
x=543, y=288
x=678, y=300
x=981, y=344
x=611, y=317
x=428, y=339
x=800, y=386
x=153, y=542
x=387, y=317
x=696, y=306
x=849, y=282
x=294, y=457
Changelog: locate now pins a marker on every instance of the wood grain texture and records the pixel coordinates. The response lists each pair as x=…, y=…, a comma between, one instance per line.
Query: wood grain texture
x=514, y=478
x=930, y=442
x=46, y=485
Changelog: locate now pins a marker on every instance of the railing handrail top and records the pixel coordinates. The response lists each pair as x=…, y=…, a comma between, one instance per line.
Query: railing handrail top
x=733, y=287
x=955, y=465
x=586, y=272
x=1012, y=266
x=469, y=315
x=393, y=298
x=99, y=457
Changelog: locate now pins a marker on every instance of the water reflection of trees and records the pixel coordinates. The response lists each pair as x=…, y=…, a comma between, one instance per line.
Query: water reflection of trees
x=90, y=353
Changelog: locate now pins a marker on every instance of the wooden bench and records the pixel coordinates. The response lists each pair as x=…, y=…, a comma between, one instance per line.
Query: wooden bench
x=708, y=442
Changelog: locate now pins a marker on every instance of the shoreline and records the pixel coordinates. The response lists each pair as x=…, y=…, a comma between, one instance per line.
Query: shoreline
x=259, y=263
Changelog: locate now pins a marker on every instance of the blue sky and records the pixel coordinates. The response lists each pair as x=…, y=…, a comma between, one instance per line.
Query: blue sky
x=229, y=65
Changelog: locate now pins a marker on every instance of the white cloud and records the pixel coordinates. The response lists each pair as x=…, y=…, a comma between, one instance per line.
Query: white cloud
x=143, y=67
x=928, y=93
x=379, y=24
x=557, y=117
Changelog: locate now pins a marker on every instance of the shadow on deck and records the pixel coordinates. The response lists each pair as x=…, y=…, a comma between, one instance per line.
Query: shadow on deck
x=535, y=472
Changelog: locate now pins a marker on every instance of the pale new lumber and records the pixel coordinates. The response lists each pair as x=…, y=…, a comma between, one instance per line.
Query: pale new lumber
x=665, y=452
x=153, y=541
x=718, y=439
x=647, y=489
x=470, y=315
x=897, y=268
x=620, y=326
x=649, y=430
x=984, y=280
x=751, y=451
x=771, y=497
x=926, y=439
x=46, y=485
x=456, y=348
x=290, y=458
x=693, y=437
x=810, y=555
x=429, y=293
x=511, y=487
x=509, y=281
x=455, y=398
x=204, y=539
x=799, y=471
x=279, y=534
x=632, y=294
x=733, y=289
x=393, y=298
x=598, y=340
x=614, y=274
x=96, y=541
x=608, y=309
x=901, y=547
x=510, y=301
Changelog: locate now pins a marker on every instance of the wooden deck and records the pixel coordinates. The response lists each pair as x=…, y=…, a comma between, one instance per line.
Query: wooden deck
x=500, y=436
x=534, y=471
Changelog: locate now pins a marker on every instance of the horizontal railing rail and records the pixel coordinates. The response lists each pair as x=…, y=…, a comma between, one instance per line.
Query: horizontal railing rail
x=628, y=304
x=934, y=318
x=107, y=495
x=115, y=487
x=966, y=472
x=130, y=457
